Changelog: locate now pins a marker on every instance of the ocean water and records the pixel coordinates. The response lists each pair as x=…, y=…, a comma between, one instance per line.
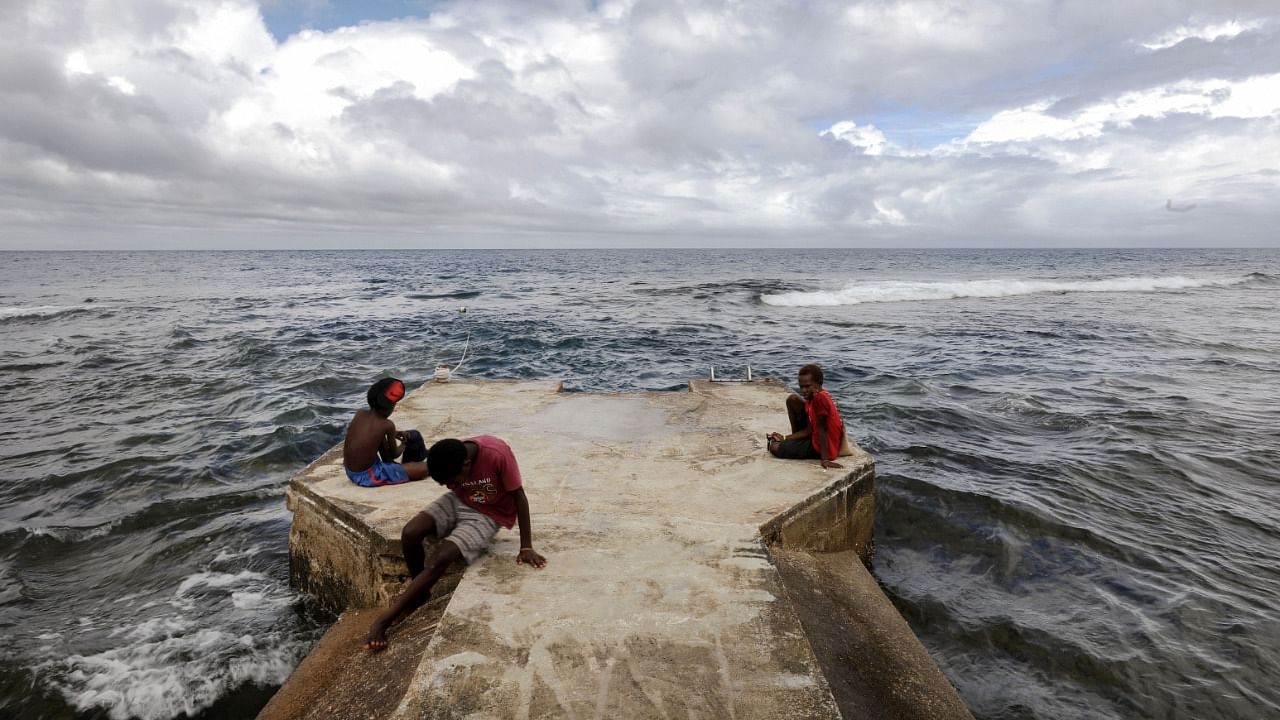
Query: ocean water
x=1078, y=451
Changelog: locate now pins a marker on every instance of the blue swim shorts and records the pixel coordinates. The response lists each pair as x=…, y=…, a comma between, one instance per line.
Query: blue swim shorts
x=380, y=473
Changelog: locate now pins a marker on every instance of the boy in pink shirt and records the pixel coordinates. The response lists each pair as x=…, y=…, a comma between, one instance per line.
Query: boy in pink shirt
x=817, y=431
x=486, y=493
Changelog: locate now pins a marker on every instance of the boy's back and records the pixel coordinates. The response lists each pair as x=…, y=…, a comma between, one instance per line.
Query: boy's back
x=367, y=433
x=372, y=444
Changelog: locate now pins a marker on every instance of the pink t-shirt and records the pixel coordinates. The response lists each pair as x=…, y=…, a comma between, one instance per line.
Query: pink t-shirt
x=494, y=474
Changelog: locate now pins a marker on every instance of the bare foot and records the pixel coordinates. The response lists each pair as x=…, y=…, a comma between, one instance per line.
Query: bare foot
x=377, y=638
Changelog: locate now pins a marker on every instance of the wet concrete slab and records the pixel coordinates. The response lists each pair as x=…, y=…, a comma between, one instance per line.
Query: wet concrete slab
x=657, y=513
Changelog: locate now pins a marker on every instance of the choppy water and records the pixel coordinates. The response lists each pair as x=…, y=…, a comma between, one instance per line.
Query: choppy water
x=1079, y=451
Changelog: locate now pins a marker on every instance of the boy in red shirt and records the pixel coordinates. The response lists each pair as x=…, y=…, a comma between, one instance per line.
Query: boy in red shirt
x=817, y=432
x=487, y=492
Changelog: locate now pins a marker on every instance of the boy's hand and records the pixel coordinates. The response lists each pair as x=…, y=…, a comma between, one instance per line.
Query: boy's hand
x=402, y=436
x=775, y=437
x=531, y=557
x=831, y=464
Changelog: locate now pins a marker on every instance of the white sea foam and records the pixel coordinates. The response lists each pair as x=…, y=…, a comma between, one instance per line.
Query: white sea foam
x=154, y=628
x=168, y=676
x=248, y=600
x=858, y=292
x=71, y=534
x=216, y=580
x=15, y=312
x=182, y=662
x=225, y=555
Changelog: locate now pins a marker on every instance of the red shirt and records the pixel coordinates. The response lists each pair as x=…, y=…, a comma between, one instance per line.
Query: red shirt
x=494, y=474
x=822, y=409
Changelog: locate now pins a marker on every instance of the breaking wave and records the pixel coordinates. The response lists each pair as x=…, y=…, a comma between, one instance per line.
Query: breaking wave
x=880, y=291
x=36, y=311
x=172, y=664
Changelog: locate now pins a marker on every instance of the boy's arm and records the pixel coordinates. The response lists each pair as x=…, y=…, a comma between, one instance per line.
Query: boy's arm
x=823, y=448
x=390, y=446
x=527, y=553
x=824, y=408
x=801, y=434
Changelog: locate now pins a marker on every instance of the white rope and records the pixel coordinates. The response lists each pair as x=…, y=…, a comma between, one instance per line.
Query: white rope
x=465, y=348
x=443, y=372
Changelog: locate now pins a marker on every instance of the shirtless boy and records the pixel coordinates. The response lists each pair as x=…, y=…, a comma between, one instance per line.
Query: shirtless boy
x=817, y=432
x=486, y=492
x=372, y=443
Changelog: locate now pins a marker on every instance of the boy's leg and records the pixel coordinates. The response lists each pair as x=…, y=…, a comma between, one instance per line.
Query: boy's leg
x=419, y=528
x=796, y=414
x=417, y=593
x=412, y=465
x=794, y=450
x=415, y=448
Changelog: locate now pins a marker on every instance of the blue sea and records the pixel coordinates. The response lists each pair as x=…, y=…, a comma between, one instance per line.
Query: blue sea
x=1078, y=450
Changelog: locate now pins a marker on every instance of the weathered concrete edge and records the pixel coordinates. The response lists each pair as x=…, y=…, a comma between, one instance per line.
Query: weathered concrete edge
x=875, y=665
x=322, y=684
x=378, y=580
x=839, y=516
x=845, y=610
x=336, y=557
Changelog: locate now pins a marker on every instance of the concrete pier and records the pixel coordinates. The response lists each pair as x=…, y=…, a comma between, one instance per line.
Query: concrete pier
x=689, y=574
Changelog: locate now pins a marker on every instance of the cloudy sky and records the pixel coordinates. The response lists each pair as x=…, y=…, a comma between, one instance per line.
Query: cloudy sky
x=325, y=123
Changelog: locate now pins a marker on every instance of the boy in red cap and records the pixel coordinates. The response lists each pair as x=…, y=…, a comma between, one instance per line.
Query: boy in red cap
x=373, y=444
x=817, y=432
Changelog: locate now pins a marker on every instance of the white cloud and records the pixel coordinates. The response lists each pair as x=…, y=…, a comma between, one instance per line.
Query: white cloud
x=1208, y=32
x=700, y=118
x=224, y=32
x=867, y=139
x=77, y=64
x=1253, y=97
x=122, y=84
x=954, y=26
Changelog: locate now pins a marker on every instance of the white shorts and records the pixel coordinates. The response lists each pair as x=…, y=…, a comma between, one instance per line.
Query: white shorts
x=469, y=529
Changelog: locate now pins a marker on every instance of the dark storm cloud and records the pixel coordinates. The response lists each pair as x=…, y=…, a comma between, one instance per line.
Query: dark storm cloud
x=87, y=123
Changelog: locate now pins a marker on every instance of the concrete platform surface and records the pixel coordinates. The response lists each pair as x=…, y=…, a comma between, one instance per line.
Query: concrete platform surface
x=655, y=512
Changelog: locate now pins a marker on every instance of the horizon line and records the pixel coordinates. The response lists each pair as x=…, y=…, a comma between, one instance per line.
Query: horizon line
x=791, y=248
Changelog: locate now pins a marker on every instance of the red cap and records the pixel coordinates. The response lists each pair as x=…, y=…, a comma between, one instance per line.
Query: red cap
x=395, y=391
